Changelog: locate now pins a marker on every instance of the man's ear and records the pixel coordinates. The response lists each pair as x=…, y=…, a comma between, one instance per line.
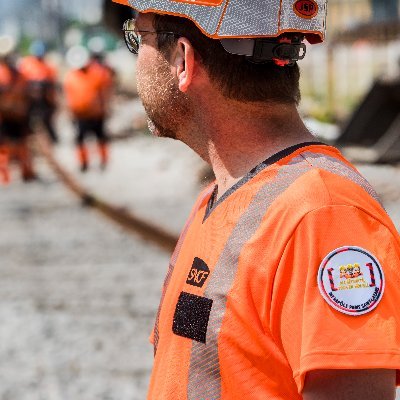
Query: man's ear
x=184, y=63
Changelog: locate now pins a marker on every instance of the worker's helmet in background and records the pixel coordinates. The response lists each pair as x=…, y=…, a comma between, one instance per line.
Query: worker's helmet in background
x=97, y=47
x=77, y=57
x=8, y=45
x=263, y=30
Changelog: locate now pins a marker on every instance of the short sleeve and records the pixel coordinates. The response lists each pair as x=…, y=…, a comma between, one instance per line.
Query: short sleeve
x=317, y=332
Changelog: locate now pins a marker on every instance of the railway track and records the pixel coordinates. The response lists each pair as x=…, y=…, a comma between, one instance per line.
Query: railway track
x=132, y=223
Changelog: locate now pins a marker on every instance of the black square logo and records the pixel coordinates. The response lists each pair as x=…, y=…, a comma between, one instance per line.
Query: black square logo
x=198, y=274
x=191, y=317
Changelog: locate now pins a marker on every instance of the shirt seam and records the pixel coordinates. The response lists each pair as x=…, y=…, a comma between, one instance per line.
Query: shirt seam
x=314, y=168
x=347, y=353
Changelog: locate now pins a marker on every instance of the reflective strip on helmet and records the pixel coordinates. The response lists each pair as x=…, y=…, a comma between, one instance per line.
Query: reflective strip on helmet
x=250, y=18
x=206, y=17
x=204, y=371
x=202, y=2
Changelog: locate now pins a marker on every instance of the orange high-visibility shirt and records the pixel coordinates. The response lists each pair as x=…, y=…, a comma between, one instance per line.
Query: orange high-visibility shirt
x=5, y=76
x=254, y=297
x=35, y=69
x=83, y=92
x=102, y=73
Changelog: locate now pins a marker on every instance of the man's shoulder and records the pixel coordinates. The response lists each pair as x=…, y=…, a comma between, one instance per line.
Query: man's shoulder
x=323, y=179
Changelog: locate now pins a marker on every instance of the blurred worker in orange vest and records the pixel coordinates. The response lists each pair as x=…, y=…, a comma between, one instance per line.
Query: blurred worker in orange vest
x=41, y=78
x=14, y=108
x=103, y=73
x=99, y=67
x=5, y=78
x=87, y=90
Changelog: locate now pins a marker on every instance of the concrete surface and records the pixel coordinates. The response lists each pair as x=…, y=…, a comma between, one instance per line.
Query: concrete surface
x=77, y=299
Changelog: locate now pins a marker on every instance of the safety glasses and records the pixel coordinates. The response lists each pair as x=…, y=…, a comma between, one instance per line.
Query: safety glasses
x=133, y=36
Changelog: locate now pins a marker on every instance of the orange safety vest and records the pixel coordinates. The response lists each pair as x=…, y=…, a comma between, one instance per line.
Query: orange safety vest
x=102, y=73
x=246, y=312
x=41, y=78
x=104, y=77
x=83, y=91
x=5, y=75
x=35, y=69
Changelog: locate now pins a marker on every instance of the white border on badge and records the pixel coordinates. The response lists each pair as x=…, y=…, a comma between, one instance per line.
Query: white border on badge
x=351, y=280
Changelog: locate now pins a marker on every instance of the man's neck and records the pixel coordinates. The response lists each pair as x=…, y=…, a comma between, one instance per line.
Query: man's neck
x=241, y=136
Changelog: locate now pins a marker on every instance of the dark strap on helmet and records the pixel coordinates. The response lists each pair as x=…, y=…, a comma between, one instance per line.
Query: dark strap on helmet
x=285, y=50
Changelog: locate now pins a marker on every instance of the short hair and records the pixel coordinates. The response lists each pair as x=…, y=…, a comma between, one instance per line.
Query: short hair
x=237, y=77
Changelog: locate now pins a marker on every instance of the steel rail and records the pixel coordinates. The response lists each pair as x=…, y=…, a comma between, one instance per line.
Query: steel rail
x=146, y=230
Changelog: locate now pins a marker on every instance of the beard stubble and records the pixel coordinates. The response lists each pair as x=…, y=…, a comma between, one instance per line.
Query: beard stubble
x=166, y=106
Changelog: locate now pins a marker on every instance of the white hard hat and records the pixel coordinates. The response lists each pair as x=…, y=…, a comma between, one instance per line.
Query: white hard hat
x=77, y=57
x=223, y=19
x=7, y=45
x=96, y=44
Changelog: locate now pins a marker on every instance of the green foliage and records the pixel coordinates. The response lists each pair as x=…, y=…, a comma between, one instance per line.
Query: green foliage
x=24, y=44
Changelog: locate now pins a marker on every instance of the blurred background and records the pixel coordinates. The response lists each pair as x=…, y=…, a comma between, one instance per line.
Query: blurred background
x=91, y=204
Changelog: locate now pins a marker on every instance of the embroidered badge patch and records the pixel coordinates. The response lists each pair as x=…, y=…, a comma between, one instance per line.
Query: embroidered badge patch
x=351, y=280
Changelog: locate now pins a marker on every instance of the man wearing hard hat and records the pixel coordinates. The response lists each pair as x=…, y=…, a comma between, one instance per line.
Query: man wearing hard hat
x=254, y=305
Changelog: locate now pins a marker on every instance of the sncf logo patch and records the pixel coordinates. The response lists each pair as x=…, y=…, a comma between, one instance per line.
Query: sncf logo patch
x=306, y=8
x=198, y=274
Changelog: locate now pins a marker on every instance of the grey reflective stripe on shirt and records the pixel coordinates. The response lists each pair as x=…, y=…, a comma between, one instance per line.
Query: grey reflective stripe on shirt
x=204, y=371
